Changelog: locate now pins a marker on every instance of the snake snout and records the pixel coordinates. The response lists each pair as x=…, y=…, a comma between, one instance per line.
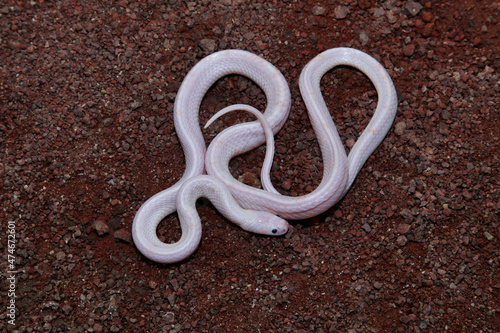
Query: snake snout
x=265, y=223
x=279, y=226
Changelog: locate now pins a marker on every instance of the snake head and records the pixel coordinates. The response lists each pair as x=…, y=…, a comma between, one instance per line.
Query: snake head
x=265, y=223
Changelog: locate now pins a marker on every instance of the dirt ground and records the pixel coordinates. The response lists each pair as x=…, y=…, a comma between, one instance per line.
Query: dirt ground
x=86, y=136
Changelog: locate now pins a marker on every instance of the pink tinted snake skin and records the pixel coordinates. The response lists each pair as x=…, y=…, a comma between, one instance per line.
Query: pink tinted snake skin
x=255, y=209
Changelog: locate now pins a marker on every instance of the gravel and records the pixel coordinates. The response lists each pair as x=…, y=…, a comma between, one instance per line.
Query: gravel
x=86, y=136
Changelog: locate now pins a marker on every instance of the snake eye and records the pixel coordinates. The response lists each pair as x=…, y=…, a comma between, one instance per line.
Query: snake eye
x=274, y=231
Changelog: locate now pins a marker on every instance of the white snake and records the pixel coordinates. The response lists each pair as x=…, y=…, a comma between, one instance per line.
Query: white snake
x=258, y=207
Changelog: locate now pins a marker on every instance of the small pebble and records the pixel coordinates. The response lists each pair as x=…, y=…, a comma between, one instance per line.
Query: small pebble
x=169, y=317
x=208, y=45
x=100, y=227
x=413, y=8
x=488, y=236
x=401, y=240
x=363, y=37
x=318, y=10
x=341, y=12
x=403, y=228
x=123, y=235
x=400, y=128
x=409, y=50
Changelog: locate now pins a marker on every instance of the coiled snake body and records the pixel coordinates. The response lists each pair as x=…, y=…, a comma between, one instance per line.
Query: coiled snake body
x=259, y=208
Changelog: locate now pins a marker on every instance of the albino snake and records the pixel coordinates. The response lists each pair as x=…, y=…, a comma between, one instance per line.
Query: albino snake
x=258, y=207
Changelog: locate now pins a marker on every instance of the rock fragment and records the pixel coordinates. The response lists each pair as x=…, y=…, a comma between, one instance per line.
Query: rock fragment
x=208, y=45
x=412, y=8
x=318, y=10
x=341, y=12
x=100, y=228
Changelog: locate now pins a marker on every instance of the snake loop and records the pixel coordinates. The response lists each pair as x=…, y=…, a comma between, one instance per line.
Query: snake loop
x=255, y=209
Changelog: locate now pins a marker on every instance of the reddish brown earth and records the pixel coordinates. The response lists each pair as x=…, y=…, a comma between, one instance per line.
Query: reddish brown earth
x=86, y=136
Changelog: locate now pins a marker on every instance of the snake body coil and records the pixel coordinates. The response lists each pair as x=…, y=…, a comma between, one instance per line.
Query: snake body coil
x=339, y=172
